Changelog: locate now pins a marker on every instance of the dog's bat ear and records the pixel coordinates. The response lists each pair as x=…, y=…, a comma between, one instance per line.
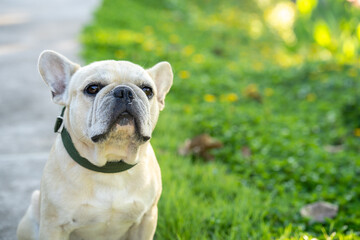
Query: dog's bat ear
x=162, y=75
x=56, y=70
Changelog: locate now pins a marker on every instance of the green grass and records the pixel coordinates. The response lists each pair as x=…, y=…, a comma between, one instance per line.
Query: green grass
x=287, y=101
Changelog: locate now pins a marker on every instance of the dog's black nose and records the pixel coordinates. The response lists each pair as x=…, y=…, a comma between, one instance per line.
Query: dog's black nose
x=124, y=93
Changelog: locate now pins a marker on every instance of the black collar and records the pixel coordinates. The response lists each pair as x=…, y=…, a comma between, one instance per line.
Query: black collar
x=109, y=167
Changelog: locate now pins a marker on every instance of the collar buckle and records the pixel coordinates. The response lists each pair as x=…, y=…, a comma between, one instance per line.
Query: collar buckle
x=59, y=122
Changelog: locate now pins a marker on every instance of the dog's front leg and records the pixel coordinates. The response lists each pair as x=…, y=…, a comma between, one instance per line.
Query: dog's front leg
x=146, y=228
x=52, y=232
x=50, y=226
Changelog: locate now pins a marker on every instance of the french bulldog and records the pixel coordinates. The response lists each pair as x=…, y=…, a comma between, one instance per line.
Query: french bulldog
x=111, y=109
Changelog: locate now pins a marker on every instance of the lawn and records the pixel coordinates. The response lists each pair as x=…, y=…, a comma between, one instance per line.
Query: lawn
x=276, y=82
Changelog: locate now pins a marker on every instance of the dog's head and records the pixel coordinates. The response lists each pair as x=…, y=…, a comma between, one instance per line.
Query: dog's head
x=110, y=104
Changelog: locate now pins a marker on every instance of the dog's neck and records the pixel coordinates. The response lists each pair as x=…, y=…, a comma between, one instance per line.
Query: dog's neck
x=127, y=151
x=109, y=151
x=98, y=154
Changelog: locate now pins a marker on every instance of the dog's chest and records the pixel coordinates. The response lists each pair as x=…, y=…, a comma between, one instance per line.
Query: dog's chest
x=110, y=212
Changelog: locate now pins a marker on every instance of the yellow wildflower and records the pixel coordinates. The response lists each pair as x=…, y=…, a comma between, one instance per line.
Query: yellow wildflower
x=198, y=58
x=127, y=37
x=167, y=27
x=311, y=97
x=349, y=48
x=184, y=74
x=231, y=97
x=255, y=27
x=174, y=38
x=148, y=45
x=353, y=72
x=148, y=30
x=123, y=37
x=258, y=65
x=187, y=109
x=188, y=50
x=209, y=98
x=120, y=54
x=322, y=34
x=285, y=59
x=357, y=132
x=101, y=37
x=306, y=6
x=269, y=92
x=232, y=66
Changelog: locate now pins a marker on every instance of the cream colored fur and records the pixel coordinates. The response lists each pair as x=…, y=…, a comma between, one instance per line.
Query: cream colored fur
x=76, y=203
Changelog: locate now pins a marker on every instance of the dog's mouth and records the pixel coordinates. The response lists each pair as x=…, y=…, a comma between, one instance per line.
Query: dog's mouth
x=123, y=124
x=125, y=119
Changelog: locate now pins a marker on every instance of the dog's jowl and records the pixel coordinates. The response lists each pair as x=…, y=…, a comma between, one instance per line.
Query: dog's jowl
x=102, y=179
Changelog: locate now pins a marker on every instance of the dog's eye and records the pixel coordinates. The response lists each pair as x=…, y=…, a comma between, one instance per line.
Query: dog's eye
x=148, y=91
x=92, y=89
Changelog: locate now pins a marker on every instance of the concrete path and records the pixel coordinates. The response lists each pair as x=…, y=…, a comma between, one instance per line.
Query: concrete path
x=27, y=114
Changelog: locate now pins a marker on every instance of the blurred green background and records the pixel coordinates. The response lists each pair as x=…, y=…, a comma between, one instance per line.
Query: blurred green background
x=277, y=82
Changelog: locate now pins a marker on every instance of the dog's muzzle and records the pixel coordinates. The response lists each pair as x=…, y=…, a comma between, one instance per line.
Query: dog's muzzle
x=124, y=107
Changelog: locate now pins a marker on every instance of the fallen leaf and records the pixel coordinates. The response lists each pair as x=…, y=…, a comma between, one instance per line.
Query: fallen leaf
x=200, y=146
x=334, y=148
x=246, y=152
x=252, y=91
x=319, y=211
